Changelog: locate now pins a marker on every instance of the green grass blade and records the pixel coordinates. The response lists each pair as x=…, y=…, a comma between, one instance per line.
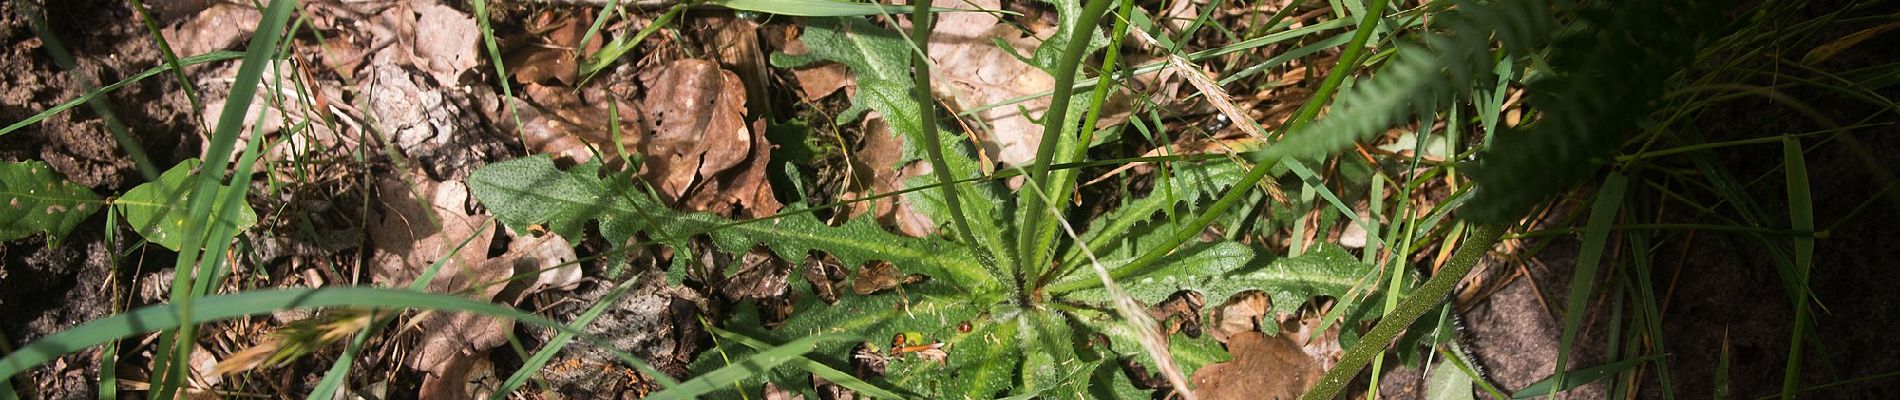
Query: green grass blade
x=1578, y=377
x=554, y=346
x=222, y=307
x=257, y=56
x=1596, y=235
x=109, y=355
x=921, y=24
x=170, y=57
x=1801, y=215
x=756, y=364
x=1422, y=300
x=1651, y=312
x=1033, y=231
x=830, y=374
x=340, y=369
x=501, y=71
x=221, y=55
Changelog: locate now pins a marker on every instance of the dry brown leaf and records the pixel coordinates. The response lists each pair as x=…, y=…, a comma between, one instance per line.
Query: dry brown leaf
x=973, y=72
x=553, y=58
x=697, y=112
x=411, y=237
x=559, y=121
x=549, y=258
x=1263, y=367
x=218, y=27
x=740, y=192
x=738, y=51
x=445, y=42
x=1181, y=313
x=816, y=81
x=825, y=276
x=761, y=275
x=1245, y=313
x=873, y=176
x=463, y=378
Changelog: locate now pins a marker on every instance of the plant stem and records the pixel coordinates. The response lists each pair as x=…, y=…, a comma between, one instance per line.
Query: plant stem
x=1423, y=300
x=920, y=25
x=1109, y=60
x=1031, y=231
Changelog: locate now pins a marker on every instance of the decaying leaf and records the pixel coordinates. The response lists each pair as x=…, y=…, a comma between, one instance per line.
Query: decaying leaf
x=761, y=275
x=412, y=237
x=1245, y=313
x=553, y=58
x=548, y=257
x=1180, y=313
x=1264, y=367
x=818, y=81
x=742, y=191
x=973, y=71
x=573, y=124
x=697, y=112
x=738, y=51
x=445, y=42
x=220, y=26
x=454, y=344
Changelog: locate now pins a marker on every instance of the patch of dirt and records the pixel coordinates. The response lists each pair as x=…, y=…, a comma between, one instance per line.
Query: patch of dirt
x=49, y=289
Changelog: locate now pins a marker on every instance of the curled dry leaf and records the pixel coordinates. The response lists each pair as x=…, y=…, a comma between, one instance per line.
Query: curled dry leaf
x=1180, y=313
x=814, y=81
x=697, y=112
x=740, y=192
x=825, y=276
x=549, y=258
x=760, y=275
x=739, y=52
x=424, y=222
x=817, y=82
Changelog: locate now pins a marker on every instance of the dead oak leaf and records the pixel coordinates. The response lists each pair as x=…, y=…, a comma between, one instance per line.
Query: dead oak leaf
x=1264, y=367
x=697, y=112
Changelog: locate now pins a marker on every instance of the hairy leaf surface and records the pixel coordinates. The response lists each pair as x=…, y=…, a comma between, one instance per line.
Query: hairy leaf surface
x=531, y=190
